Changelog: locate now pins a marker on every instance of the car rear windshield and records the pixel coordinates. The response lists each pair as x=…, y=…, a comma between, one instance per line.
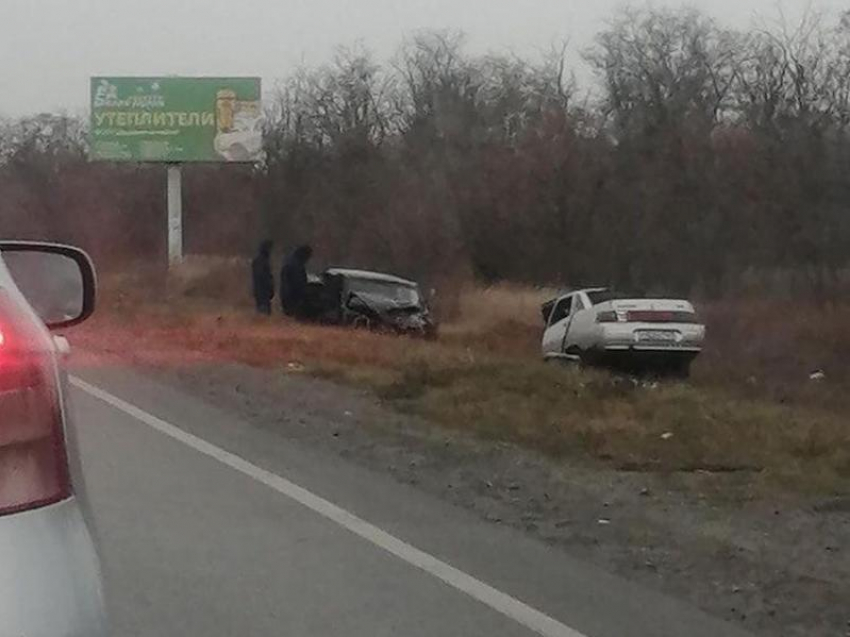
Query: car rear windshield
x=603, y=296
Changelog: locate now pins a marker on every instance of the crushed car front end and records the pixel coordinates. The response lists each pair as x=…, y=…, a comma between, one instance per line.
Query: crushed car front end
x=382, y=302
x=382, y=314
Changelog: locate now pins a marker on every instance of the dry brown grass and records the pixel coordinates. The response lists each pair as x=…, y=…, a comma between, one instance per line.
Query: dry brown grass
x=502, y=319
x=769, y=349
x=484, y=377
x=483, y=308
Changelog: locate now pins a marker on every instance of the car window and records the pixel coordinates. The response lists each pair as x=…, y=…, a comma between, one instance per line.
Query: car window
x=579, y=303
x=562, y=310
x=603, y=296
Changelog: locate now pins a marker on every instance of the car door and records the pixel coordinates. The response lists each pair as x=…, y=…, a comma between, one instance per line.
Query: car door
x=553, y=337
x=576, y=332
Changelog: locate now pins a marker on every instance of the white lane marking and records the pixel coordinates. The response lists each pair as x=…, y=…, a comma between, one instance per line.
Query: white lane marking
x=497, y=600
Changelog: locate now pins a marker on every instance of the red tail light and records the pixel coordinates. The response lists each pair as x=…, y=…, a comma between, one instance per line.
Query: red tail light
x=33, y=459
x=649, y=316
x=659, y=316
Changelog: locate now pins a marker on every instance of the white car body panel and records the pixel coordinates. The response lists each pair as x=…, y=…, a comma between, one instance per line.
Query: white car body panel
x=50, y=583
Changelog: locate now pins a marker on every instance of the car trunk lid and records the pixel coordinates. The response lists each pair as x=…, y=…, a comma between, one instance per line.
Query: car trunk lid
x=652, y=310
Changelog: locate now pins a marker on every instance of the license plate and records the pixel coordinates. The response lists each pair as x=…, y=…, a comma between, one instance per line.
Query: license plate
x=656, y=336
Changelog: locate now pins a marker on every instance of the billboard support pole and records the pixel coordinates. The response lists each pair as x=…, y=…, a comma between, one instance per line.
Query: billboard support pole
x=175, y=215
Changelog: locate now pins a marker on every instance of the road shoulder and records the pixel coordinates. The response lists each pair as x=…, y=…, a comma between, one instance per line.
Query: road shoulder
x=730, y=563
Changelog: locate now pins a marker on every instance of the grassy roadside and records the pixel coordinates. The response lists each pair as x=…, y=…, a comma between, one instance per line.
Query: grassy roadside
x=625, y=424
x=482, y=378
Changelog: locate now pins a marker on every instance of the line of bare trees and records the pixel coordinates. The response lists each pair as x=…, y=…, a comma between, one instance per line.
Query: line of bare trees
x=703, y=158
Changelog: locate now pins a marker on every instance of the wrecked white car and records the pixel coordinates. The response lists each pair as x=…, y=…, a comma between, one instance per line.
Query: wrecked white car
x=600, y=326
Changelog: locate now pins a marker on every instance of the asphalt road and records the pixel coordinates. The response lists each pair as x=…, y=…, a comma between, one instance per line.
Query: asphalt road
x=210, y=527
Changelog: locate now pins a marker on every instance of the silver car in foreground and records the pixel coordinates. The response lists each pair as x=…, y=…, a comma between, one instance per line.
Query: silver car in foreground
x=598, y=325
x=50, y=582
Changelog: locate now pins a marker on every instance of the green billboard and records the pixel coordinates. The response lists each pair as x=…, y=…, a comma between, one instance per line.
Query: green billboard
x=176, y=119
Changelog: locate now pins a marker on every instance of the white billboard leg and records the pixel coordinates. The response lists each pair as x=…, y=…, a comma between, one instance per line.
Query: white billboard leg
x=175, y=216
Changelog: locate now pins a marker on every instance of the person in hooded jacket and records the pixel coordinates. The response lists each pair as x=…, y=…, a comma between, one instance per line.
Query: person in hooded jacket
x=262, y=278
x=293, y=282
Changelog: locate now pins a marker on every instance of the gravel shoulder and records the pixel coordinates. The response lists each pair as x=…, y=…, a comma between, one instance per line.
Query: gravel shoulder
x=778, y=567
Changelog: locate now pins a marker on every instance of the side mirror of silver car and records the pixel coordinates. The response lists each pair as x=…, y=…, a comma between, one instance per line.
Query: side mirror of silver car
x=58, y=281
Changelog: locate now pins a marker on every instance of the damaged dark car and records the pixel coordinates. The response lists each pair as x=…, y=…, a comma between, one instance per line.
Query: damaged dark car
x=369, y=300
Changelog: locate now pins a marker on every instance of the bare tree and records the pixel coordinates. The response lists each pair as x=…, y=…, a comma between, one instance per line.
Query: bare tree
x=660, y=67
x=703, y=154
x=438, y=85
x=346, y=98
x=516, y=94
x=793, y=76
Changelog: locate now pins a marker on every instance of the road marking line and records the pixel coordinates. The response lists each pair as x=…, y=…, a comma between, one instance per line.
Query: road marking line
x=501, y=602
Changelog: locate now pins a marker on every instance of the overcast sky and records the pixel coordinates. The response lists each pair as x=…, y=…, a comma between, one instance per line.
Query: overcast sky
x=49, y=48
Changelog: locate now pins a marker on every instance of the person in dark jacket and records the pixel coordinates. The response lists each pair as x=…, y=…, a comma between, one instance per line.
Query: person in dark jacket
x=262, y=279
x=293, y=282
